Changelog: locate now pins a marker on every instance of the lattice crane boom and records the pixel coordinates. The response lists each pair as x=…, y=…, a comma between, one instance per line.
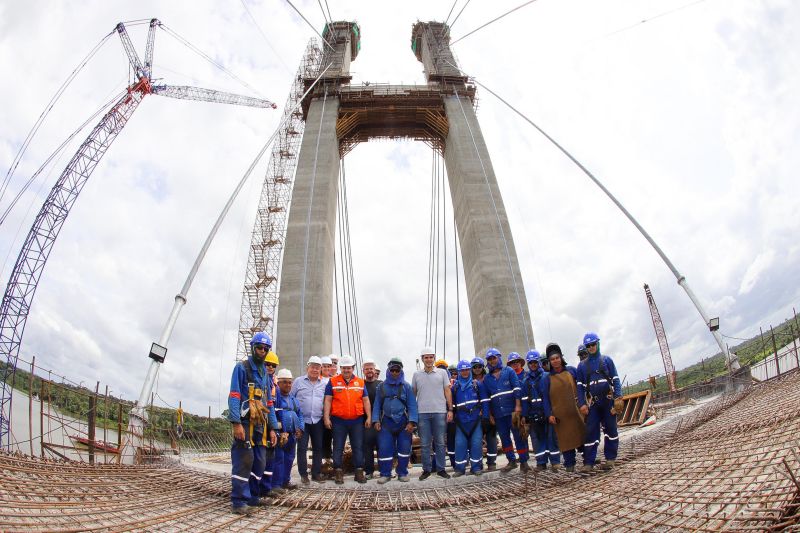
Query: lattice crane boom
x=31, y=261
x=661, y=335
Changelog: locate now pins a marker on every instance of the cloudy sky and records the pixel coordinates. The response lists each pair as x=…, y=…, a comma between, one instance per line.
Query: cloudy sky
x=690, y=118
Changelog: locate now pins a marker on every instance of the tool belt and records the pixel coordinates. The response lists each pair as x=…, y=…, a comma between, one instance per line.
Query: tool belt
x=258, y=413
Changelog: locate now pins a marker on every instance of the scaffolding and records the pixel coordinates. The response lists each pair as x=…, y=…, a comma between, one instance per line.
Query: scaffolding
x=260, y=292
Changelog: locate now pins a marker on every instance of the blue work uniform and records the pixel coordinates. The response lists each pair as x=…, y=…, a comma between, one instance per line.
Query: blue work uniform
x=248, y=459
x=265, y=485
x=503, y=391
x=470, y=408
x=395, y=406
x=543, y=434
x=597, y=379
x=290, y=419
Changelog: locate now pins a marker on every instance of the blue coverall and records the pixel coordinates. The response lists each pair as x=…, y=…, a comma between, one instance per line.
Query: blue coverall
x=597, y=374
x=503, y=391
x=395, y=406
x=543, y=434
x=290, y=419
x=470, y=409
x=248, y=461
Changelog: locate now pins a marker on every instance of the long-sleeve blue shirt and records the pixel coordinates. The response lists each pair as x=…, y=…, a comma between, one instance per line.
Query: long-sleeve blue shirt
x=311, y=396
x=597, y=384
x=468, y=400
x=545, y=387
x=532, y=402
x=503, y=391
x=288, y=413
x=239, y=392
x=389, y=397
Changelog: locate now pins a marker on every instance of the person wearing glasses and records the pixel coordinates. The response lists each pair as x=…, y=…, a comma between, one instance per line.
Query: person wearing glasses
x=469, y=409
x=253, y=425
x=599, y=399
x=394, y=417
x=488, y=429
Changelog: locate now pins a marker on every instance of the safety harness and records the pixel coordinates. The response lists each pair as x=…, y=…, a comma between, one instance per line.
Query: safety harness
x=602, y=369
x=469, y=410
x=256, y=412
x=538, y=416
x=399, y=394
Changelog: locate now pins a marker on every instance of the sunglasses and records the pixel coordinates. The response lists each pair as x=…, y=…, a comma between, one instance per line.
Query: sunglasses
x=395, y=369
x=477, y=367
x=271, y=365
x=533, y=362
x=261, y=347
x=590, y=345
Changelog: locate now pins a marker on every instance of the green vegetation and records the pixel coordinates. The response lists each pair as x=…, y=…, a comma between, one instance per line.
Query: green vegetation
x=73, y=401
x=749, y=352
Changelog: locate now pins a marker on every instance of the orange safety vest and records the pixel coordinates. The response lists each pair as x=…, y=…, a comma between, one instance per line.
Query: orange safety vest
x=348, y=402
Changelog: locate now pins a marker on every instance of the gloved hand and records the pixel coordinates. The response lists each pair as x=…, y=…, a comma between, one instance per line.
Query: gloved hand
x=619, y=406
x=524, y=430
x=515, y=419
x=284, y=438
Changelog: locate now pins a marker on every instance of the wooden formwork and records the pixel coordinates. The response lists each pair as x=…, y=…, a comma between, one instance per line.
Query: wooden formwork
x=635, y=411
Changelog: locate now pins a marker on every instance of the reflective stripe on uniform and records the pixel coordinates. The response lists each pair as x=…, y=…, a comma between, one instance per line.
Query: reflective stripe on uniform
x=502, y=393
x=612, y=438
x=258, y=478
x=595, y=443
x=240, y=478
x=402, y=454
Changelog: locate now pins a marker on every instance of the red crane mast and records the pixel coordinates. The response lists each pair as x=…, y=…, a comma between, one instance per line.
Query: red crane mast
x=661, y=335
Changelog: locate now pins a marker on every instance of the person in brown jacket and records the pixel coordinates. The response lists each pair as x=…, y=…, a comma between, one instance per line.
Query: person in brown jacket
x=559, y=391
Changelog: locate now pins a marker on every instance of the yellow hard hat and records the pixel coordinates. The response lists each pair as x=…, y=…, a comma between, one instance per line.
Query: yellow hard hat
x=272, y=357
x=441, y=363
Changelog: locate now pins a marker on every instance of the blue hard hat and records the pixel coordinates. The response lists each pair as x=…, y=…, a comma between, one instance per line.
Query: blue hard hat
x=590, y=338
x=463, y=365
x=513, y=356
x=493, y=352
x=261, y=338
x=478, y=361
x=533, y=355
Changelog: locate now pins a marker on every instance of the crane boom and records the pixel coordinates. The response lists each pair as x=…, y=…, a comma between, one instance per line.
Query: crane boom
x=148, y=51
x=186, y=92
x=661, y=335
x=130, y=51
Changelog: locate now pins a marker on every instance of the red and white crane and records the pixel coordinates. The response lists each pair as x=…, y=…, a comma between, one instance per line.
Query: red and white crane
x=661, y=335
x=39, y=243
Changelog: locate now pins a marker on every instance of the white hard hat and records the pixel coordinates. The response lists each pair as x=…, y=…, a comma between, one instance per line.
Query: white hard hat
x=427, y=351
x=368, y=361
x=347, y=361
x=314, y=360
x=283, y=373
x=377, y=367
x=334, y=357
x=326, y=360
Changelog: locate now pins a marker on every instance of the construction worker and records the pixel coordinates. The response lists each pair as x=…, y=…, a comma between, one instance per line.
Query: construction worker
x=309, y=390
x=377, y=371
x=582, y=352
x=505, y=408
x=328, y=371
x=290, y=428
x=334, y=370
x=599, y=399
x=252, y=422
x=544, y=443
x=347, y=413
x=435, y=404
x=372, y=382
x=271, y=362
x=469, y=409
x=395, y=417
x=559, y=388
x=451, y=426
x=488, y=428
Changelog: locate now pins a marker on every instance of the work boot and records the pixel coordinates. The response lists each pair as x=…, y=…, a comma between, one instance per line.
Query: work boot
x=524, y=468
x=318, y=479
x=478, y=472
x=242, y=509
x=304, y=480
x=555, y=466
x=403, y=479
x=541, y=468
x=509, y=467
x=587, y=469
x=338, y=476
x=425, y=475
x=359, y=477
x=608, y=465
x=491, y=468
x=442, y=474
x=278, y=491
x=369, y=476
x=457, y=474
x=290, y=486
x=570, y=468
x=383, y=480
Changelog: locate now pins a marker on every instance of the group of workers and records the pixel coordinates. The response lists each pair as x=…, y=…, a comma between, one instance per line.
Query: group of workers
x=456, y=410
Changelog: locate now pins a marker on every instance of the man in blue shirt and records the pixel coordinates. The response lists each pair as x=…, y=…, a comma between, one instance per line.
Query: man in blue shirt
x=599, y=400
x=252, y=420
x=290, y=426
x=309, y=390
x=394, y=417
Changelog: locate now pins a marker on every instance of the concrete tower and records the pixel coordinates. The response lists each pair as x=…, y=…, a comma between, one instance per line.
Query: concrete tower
x=440, y=113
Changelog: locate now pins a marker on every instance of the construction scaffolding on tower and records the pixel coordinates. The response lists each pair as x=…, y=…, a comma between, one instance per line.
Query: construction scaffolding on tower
x=260, y=293
x=661, y=335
